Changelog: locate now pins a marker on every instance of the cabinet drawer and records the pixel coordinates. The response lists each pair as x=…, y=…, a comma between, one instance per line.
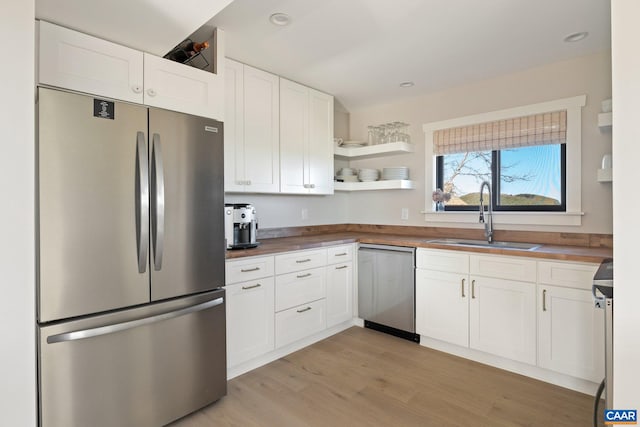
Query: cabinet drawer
x=339, y=254
x=441, y=260
x=297, y=288
x=572, y=275
x=510, y=268
x=248, y=269
x=300, y=322
x=298, y=261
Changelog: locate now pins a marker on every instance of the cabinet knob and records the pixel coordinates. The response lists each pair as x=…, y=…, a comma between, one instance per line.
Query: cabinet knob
x=136, y=89
x=151, y=92
x=248, y=182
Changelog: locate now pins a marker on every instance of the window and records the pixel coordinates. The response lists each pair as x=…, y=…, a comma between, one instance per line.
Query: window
x=534, y=167
x=522, y=179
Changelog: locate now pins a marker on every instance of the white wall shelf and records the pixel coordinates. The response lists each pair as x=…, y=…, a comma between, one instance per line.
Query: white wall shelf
x=370, y=151
x=400, y=184
x=605, y=175
x=605, y=120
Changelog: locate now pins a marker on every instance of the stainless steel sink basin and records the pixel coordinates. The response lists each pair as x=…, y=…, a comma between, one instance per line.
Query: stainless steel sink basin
x=485, y=244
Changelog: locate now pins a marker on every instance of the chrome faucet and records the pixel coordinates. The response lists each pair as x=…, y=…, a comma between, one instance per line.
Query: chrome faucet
x=488, y=226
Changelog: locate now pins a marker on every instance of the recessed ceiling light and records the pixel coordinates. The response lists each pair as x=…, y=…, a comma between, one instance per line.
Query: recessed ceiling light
x=280, y=19
x=576, y=37
x=406, y=84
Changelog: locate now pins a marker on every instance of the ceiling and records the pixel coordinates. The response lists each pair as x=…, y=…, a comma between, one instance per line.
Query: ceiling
x=361, y=50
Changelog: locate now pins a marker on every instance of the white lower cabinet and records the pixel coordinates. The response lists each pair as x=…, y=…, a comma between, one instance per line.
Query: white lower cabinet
x=300, y=322
x=476, y=301
x=502, y=318
x=276, y=302
x=442, y=306
x=250, y=320
x=536, y=312
x=570, y=327
x=339, y=293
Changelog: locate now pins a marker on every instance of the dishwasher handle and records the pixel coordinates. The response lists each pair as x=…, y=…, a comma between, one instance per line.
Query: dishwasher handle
x=388, y=248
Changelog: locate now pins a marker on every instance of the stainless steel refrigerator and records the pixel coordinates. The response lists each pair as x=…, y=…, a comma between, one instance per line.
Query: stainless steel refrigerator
x=131, y=314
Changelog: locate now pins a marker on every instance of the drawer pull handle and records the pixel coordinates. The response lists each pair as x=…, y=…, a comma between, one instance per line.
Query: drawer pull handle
x=342, y=254
x=341, y=267
x=248, y=270
x=302, y=276
x=302, y=310
x=251, y=287
x=544, y=300
x=473, y=289
x=300, y=261
x=462, y=287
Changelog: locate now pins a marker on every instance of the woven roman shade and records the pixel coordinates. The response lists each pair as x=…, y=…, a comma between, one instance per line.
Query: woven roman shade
x=526, y=131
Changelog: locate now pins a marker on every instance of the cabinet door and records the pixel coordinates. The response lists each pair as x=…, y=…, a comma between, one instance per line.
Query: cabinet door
x=319, y=162
x=570, y=332
x=72, y=60
x=179, y=87
x=502, y=318
x=250, y=320
x=261, y=131
x=294, y=135
x=233, y=126
x=442, y=306
x=339, y=293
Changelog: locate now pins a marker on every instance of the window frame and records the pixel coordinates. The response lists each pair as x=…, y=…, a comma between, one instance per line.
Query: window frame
x=573, y=214
x=495, y=186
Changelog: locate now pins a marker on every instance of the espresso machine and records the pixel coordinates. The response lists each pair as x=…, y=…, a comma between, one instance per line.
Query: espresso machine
x=240, y=225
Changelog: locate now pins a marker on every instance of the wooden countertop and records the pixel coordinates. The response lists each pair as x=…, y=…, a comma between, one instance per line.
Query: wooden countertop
x=286, y=244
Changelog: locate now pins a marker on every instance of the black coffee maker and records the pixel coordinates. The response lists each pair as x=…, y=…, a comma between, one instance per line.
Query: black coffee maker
x=240, y=225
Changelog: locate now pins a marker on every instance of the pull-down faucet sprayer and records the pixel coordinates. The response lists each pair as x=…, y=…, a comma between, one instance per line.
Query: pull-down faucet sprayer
x=488, y=225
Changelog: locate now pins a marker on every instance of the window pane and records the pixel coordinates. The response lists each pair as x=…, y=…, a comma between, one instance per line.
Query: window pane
x=531, y=176
x=462, y=175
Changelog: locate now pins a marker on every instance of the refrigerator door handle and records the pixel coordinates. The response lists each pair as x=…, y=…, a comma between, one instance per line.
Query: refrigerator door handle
x=157, y=177
x=142, y=201
x=118, y=327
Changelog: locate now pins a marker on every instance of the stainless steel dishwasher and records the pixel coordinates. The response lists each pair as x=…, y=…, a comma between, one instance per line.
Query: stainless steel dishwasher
x=386, y=289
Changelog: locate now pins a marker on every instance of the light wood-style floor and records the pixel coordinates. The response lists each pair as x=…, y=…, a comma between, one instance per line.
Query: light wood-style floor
x=362, y=377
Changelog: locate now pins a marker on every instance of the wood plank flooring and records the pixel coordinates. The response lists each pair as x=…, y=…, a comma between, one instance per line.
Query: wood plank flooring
x=362, y=377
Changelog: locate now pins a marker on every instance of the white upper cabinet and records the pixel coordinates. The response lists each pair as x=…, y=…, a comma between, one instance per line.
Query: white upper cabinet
x=252, y=129
x=72, y=60
x=76, y=61
x=178, y=87
x=306, y=140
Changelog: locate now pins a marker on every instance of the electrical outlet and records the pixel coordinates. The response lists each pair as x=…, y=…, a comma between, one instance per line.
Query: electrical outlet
x=305, y=213
x=405, y=214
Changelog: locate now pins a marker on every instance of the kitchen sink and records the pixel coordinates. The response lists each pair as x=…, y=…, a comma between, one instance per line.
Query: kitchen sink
x=485, y=244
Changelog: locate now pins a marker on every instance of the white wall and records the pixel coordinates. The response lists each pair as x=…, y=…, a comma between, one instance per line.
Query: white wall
x=590, y=75
x=17, y=304
x=626, y=203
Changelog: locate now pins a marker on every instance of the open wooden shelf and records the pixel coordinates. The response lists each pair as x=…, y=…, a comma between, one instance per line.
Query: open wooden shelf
x=370, y=151
x=399, y=184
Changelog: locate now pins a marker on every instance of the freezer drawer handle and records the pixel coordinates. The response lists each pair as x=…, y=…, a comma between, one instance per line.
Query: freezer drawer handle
x=157, y=184
x=300, y=261
x=302, y=276
x=248, y=270
x=142, y=202
x=251, y=287
x=302, y=310
x=118, y=327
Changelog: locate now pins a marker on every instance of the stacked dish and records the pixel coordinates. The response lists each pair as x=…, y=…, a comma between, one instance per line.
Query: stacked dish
x=367, y=175
x=347, y=175
x=401, y=172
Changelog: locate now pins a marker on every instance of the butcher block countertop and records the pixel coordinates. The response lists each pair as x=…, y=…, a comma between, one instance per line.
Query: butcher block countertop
x=544, y=251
